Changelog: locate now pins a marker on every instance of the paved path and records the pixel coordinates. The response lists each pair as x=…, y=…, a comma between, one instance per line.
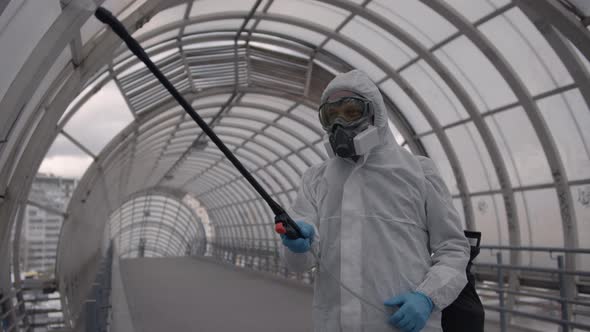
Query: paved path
x=184, y=294
x=190, y=294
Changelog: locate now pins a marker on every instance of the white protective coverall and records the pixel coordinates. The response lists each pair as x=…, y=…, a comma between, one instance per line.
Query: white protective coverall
x=385, y=225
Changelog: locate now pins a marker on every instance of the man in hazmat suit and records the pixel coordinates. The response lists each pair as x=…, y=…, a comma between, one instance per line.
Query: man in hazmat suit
x=380, y=220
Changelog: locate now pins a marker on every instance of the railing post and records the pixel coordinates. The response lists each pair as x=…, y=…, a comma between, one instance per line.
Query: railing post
x=22, y=310
x=563, y=292
x=503, y=326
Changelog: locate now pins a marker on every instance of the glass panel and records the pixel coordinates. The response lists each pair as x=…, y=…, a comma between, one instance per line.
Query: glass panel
x=279, y=176
x=231, y=130
x=567, y=132
x=162, y=18
x=475, y=9
x=355, y=59
x=251, y=157
x=313, y=11
x=256, y=113
x=520, y=147
x=527, y=51
x=581, y=196
x=271, y=101
x=435, y=93
x=65, y=159
x=121, y=8
x=291, y=140
x=204, y=7
x=269, y=181
x=302, y=131
x=459, y=207
x=25, y=29
x=307, y=114
x=298, y=163
x=310, y=155
x=526, y=225
x=429, y=29
x=475, y=72
x=268, y=154
x=486, y=159
x=544, y=214
x=229, y=121
x=321, y=149
x=479, y=174
x=129, y=9
x=296, y=32
x=378, y=41
x=396, y=134
x=289, y=171
x=100, y=118
x=233, y=24
x=489, y=222
x=437, y=154
x=158, y=39
x=230, y=141
x=279, y=148
x=199, y=102
x=581, y=56
x=490, y=219
x=406, y=105
x=581, y=112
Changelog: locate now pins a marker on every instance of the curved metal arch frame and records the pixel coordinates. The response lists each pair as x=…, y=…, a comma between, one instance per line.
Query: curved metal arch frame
x=191, y=221
x=268, y=122
x=132, y=239
x=259, y=106
x=127, y=222
x=566, y=52
x=260, y=156
x=417, y=99
x=504, y=175
x=237, y=199
x=567, y=23
x=398, y=119
x=569, y=222
x=156, y=251
x=567, y=28
x=295, y=168
x=469, y=105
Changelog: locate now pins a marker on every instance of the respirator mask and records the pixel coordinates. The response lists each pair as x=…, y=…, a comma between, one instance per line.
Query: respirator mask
x=348, y=120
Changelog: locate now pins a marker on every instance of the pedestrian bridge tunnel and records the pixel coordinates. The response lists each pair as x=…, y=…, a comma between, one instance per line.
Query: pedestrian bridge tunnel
x=496, y=92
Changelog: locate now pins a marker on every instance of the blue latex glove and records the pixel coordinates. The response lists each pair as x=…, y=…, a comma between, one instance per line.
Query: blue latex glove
x=414, y=310
x=300, y=245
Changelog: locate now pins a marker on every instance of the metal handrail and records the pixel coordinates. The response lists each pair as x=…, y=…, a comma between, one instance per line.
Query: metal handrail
x=533, y=269
x=541, y=249
x=535, y=295
x=14, y=311
x=567, y=323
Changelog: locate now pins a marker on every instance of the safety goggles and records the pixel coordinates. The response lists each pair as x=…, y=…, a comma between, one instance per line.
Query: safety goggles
x=346, y=111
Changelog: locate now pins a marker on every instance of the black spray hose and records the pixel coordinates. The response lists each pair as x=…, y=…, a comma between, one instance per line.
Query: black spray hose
x=283, y=223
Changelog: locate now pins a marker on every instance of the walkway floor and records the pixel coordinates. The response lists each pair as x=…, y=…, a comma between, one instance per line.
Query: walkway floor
x=199, y=294
x=190, y=294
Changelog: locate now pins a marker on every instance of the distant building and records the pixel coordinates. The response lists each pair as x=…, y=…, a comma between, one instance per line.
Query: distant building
x=41, y=228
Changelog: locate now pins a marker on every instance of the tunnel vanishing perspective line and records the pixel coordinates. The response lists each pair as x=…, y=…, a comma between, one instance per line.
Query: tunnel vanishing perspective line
x=496, y=92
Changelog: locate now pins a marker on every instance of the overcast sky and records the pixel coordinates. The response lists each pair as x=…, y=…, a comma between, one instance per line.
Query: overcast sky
x=95, y=124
